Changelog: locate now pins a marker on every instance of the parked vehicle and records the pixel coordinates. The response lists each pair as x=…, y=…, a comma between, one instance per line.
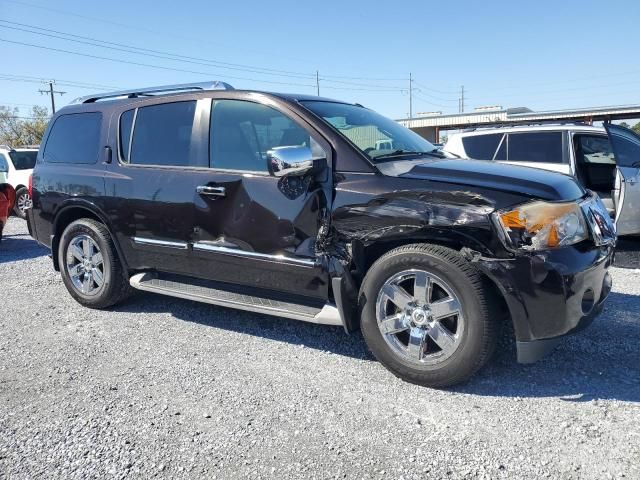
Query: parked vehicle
x=7, y=198
x=19, y=163
x=603, y=159
x=281, y=204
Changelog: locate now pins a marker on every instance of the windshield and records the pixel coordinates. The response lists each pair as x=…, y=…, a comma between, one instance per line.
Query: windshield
x=376, y=136
x=24, y=159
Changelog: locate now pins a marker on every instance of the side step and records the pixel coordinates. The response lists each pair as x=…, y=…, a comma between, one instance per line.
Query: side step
x=327, y=315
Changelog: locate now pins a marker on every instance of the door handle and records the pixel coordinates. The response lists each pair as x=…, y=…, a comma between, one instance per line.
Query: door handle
x=211, y=191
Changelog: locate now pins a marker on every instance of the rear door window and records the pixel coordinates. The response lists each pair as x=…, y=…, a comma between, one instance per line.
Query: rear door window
x=74, y=138
x=537, y=147
x=165, y=135
x=4, y=164
x=593, y=149
x=482, y=147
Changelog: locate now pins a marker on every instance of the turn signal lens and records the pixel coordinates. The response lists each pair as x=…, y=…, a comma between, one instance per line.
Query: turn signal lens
x=542, y=225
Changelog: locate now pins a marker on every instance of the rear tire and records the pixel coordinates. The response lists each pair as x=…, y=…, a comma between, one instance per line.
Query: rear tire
x=425, y=315
x=89, y=264
x=23, y=201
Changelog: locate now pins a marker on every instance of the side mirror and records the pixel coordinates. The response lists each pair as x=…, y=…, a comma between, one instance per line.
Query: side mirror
x=290, y=161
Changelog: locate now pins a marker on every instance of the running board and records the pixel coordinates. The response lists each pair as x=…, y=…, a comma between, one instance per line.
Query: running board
x=327, y=315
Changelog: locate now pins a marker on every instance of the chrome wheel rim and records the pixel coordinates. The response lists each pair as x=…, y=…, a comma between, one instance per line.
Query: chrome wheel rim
x=23, y=202
x=420, y=317
x=85, y=265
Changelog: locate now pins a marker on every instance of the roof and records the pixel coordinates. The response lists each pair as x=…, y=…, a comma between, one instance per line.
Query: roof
x=20, y=149
x=522, y=115
x=574, y=127
x=178, y=89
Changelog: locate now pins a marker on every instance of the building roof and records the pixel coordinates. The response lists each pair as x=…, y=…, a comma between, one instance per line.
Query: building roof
x=522, y=115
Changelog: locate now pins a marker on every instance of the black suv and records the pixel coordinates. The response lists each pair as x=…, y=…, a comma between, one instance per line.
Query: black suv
x=317, y=210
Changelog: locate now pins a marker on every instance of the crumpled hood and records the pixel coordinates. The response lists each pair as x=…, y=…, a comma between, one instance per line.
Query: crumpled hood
x=532, y=182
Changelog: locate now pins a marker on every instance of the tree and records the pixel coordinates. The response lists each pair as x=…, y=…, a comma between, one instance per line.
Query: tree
x=16, y=130
x=636, y=128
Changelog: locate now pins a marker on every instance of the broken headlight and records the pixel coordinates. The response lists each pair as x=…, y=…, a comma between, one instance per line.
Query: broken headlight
x=541, y=225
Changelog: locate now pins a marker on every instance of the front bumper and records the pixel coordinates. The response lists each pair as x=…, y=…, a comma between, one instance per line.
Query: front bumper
x=552, y=294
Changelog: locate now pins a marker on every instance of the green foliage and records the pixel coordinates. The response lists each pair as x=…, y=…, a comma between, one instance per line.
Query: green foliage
x=17, y=130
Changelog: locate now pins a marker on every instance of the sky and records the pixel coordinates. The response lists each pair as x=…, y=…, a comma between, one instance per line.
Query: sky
x=544, y=55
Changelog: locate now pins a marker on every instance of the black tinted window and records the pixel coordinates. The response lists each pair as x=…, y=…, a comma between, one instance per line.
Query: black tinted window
x=126, y=122
x=482, y=147
x=4, y=165
x=164, y=135
x=543, y=147
x=23, y=160
x=74, y=138
x=593, y=149
x=627, y=150
x=243, y=132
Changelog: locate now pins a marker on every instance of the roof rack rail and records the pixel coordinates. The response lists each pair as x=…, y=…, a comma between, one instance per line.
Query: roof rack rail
x=138, y=92
x=525, y=123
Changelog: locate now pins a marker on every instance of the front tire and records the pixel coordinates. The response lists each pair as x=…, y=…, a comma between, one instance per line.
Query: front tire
x=425, y=315
x=23, y=202
x=90, y=266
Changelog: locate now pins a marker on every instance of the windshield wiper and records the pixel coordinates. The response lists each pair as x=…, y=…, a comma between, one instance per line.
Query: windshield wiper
x=402, y=153
x=398, y=153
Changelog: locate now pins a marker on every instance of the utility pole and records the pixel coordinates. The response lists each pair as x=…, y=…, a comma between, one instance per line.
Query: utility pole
x=317, y=83
x=410, y=96
x=52, y=92
x=461, y=104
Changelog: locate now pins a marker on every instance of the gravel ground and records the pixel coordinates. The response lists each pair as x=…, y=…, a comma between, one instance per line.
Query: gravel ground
x=160, y=387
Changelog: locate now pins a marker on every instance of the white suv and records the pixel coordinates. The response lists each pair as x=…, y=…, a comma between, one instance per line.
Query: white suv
x=603, y=159
x=17, y=164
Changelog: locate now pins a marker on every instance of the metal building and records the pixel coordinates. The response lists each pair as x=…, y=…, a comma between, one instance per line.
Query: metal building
x=430, y=126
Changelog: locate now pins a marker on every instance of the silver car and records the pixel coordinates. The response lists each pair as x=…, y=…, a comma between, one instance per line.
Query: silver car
x=603, y=159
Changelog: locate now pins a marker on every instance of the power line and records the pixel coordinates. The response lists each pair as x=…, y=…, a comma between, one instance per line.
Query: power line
x=149, y=52
x=69, y=83
x=182, y=58
x=444, y=92
x=141, y=64
x=137, y=28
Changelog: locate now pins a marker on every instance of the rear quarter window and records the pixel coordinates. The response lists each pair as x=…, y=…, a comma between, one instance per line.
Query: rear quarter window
x=74, y=138
x=482, y=147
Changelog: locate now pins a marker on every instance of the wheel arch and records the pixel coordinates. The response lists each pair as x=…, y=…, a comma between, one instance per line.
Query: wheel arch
x=366, y=255
x=77, y=211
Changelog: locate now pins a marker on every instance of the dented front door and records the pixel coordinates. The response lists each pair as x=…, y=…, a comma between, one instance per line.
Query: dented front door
x=252, y=228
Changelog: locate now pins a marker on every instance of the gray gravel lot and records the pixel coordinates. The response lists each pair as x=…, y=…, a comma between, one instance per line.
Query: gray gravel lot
x=160, y=387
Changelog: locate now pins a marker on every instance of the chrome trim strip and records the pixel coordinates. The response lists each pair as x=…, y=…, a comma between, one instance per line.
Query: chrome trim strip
x=328, y=315
x=160, y=243
x=205, y=247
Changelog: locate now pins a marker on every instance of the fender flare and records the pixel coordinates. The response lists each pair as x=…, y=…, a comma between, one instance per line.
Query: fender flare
x=94, y=210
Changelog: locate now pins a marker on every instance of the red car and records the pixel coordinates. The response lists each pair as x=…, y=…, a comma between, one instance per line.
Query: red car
x=7, y=199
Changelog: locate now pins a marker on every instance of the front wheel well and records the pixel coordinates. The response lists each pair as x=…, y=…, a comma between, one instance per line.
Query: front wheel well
x=370, y=253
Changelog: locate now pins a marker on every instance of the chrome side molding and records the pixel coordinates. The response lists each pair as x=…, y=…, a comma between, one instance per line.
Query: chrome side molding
x=160, y=243
x=234, y=252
